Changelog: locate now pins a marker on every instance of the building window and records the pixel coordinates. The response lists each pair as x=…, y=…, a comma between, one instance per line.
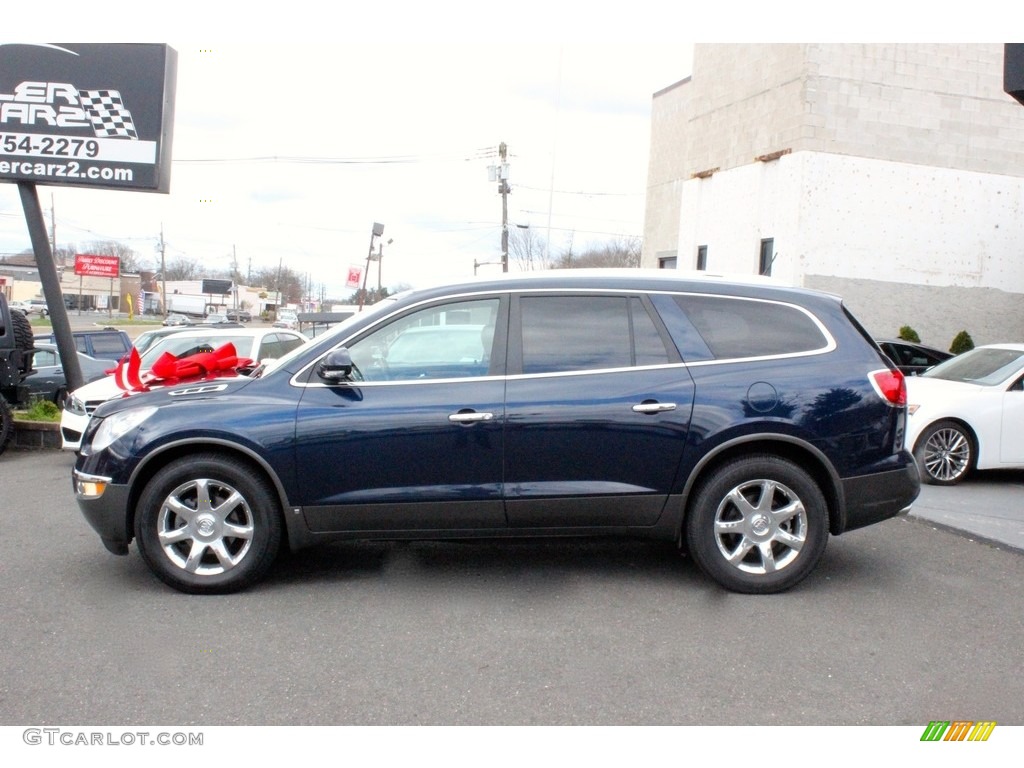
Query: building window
x=667, y=262
x=702, y=257
x=767, y=256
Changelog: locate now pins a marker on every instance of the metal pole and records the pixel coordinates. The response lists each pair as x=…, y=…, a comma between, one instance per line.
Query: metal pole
x=504, y=188
x=51, y=285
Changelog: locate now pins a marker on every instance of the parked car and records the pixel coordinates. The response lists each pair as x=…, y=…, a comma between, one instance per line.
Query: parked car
x=239, y=315
x=47, y=382
x=221, y=319
x=101, y=343
x=968, y=413
x=38, y=305
x=174, y=319
x=745, y=421
x=146, y=339
x=260, y=345
x=286, y=319
x=912, y=358
x=21, y=306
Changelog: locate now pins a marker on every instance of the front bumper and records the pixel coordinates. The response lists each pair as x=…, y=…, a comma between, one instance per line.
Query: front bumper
x=105, y=507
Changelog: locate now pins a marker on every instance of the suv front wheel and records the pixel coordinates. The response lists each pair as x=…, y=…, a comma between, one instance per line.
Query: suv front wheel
x=758, y=524
x=208, y=524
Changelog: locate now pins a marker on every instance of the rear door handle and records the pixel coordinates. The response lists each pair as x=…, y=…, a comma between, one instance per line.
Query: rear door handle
x=654, y=407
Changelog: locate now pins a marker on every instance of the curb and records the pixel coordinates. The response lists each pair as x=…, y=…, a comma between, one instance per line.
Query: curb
x=36, y=435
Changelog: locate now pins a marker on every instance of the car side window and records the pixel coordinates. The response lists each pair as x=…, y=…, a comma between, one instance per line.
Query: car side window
x=43, y=358
x=108, y=346
x=443, y=341
x=578, y=333
x=737, y=328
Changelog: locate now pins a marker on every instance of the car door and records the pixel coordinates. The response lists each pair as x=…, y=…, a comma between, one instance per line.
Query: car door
x=1012, y=444
x=598, y=405
x=413, y=441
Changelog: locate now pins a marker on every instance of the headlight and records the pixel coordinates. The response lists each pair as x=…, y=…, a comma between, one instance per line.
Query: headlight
x=75, y=405
x=113, y=428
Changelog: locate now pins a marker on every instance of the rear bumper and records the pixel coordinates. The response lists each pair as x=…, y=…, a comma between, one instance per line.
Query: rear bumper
x=876, y=497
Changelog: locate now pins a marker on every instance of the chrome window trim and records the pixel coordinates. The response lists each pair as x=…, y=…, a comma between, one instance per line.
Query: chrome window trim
x=830, y=342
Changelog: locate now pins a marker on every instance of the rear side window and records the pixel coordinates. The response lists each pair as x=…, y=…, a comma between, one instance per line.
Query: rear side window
x=736, y=328
x=579, y=333
x=108, y=346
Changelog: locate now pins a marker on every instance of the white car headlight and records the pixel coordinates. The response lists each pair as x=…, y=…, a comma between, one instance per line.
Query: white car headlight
x=115, y=427
x=75, y=405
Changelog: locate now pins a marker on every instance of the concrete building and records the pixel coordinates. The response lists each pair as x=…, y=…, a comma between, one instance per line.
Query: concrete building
x=891, y=174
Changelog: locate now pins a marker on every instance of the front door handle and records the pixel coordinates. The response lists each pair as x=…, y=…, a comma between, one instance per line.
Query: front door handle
x=653, y=407
x=469, y=417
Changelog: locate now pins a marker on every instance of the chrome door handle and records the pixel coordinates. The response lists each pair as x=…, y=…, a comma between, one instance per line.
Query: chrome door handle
x=654, y=407
x=469, y=417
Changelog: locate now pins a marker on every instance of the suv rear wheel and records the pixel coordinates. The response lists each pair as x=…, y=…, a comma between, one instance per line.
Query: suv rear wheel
x=758, y=525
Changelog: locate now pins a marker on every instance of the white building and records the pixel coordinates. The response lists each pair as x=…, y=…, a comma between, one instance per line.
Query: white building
x=891, y=174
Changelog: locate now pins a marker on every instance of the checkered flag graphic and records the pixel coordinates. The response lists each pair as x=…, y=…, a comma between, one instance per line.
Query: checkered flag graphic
x=108, y=115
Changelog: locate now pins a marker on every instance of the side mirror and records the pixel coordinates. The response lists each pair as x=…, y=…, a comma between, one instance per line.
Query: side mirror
x=336, y=367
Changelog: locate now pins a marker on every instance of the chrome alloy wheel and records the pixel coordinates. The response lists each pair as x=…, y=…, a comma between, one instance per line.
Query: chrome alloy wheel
x=946, y=455
x=760, y=526
x=205, y=527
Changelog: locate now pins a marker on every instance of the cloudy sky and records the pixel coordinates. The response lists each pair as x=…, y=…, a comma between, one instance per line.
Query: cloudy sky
x=288, y=152
x=294, y=133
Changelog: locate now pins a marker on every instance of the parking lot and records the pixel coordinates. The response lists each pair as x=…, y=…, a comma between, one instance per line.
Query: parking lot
x=903, y=623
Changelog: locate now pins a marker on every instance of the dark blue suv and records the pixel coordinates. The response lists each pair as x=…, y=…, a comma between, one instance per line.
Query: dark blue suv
x=744, y=421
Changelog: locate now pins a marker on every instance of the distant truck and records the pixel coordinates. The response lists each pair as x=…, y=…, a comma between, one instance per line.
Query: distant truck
x=191, y=305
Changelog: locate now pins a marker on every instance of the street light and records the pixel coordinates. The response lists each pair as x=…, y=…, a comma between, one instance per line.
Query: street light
x=377, y=231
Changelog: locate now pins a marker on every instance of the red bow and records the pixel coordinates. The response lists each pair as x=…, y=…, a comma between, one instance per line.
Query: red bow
x=169, y=370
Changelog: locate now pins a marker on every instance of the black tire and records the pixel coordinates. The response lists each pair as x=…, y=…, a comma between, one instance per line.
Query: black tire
x=23, y=339
x=945, y=453
x=758, y=524
x=201, y=556
x=6, y=424
x=60, y=397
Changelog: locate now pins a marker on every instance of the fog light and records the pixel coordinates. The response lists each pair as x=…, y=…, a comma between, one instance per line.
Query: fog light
x=90, y=486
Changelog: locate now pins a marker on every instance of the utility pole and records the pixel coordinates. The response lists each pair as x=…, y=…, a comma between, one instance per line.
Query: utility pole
x=53, y=234
x=499, y=173
x=163, y=270
x=503, y=187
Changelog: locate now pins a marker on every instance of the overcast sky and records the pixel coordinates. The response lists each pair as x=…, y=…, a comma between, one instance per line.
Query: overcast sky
x=288, y=152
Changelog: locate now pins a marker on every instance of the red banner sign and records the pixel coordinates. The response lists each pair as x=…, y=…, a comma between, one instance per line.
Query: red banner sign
x=91, y=265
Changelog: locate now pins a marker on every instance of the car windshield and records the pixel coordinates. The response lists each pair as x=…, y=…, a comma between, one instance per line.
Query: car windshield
x=987, y=366
x=181, y=346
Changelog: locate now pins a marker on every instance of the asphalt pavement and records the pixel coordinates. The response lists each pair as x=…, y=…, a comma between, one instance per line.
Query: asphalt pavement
x=903, y=623
x=988, y=506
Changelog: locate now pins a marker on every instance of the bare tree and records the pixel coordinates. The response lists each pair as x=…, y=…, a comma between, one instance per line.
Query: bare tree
x=622, y=252
x=526, y=249
x=182, y=268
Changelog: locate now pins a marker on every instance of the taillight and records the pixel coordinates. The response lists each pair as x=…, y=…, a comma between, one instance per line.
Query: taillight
x=891, y=385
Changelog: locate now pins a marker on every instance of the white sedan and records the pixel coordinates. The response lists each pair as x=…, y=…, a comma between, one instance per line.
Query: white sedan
x=257, y=344
x=968, y=413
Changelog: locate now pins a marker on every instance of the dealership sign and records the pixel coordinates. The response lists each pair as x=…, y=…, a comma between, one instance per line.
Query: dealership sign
x=87, y=114
x=90, y=265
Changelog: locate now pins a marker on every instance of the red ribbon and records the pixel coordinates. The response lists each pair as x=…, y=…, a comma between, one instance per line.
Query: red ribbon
x=169, y=370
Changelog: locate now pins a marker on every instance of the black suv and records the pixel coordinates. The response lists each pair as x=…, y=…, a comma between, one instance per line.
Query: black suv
x=745, y=421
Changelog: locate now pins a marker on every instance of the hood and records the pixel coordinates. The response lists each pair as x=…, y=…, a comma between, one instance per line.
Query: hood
x=107, y=395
